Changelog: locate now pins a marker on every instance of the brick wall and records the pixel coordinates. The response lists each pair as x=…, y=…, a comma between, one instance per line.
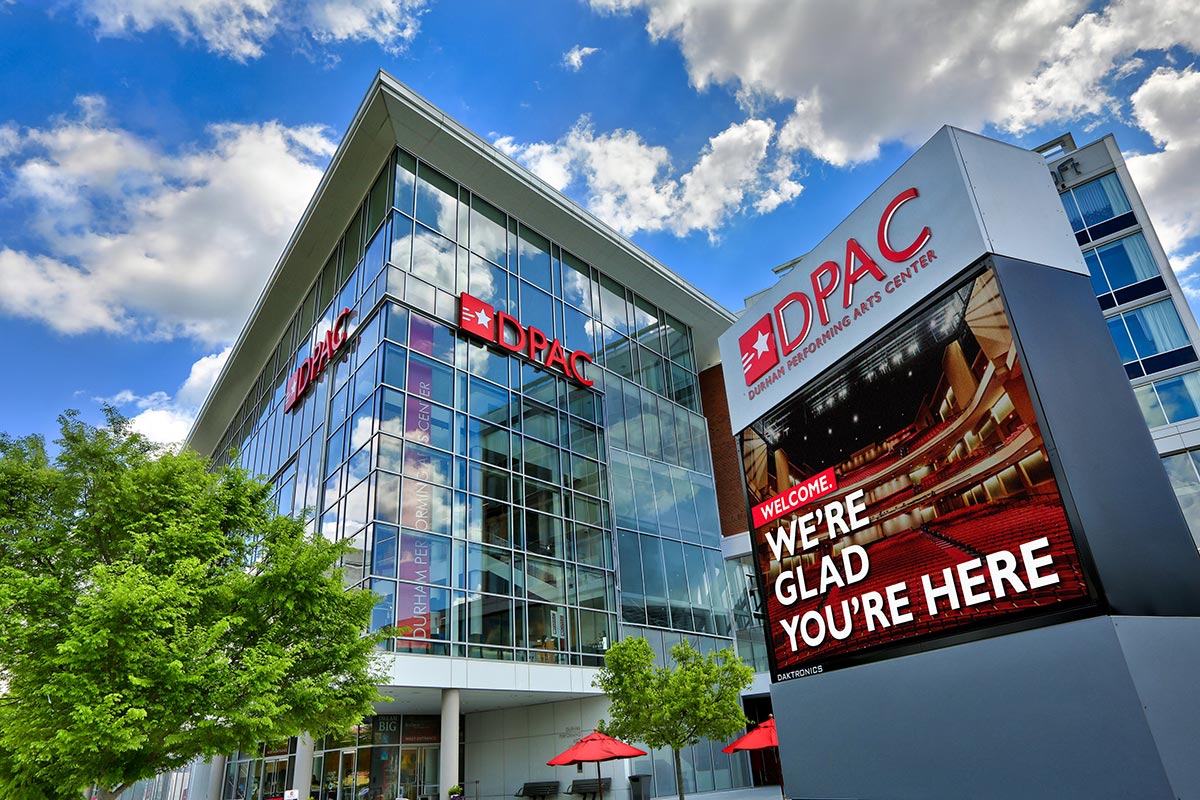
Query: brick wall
x=731, y=498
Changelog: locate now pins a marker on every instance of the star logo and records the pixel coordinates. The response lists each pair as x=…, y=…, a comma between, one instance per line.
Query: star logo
x=476, y=317
x=757, y=347
x=761, y=343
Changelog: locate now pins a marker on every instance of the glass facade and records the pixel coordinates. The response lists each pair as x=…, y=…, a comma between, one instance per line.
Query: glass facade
x=1151, y=339
x=1184, y=471
x=486, y=499
x=1098, y=208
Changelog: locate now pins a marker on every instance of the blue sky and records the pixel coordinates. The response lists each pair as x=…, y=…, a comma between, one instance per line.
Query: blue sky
x=155, y=154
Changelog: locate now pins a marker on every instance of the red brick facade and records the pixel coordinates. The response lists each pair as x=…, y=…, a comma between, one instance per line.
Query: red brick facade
x=731, y=498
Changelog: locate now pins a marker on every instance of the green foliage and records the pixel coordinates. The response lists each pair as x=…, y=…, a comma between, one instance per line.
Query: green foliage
x=152, y=610
x=700, y=698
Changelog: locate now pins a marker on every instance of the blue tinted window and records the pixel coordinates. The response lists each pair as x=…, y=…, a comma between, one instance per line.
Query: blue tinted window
x=1121, y=339
x=1155, y=328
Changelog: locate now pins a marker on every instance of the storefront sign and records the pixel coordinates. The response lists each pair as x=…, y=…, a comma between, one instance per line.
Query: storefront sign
x=956, y=199
x=503, y=330
x=328, y=349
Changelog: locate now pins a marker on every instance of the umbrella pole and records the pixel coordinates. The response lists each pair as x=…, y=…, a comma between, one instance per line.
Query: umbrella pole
x=599, y=781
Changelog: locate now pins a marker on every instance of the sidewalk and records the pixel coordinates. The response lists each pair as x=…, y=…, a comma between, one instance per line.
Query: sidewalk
x=750, y=793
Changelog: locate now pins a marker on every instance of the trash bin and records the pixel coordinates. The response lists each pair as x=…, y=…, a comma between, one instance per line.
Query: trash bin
x=639, y=787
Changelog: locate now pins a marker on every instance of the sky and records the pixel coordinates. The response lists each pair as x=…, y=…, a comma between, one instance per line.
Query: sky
x=155, y=155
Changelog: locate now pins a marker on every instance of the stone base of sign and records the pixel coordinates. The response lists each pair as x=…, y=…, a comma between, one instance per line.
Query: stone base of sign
x=1105, y=707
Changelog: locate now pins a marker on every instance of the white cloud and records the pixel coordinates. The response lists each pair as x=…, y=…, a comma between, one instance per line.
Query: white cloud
x=152, y=243
x=165, y=418
x=861, y=74
x=241, y=29
x=573, y=58
x=1167, y=106
x=629, y=184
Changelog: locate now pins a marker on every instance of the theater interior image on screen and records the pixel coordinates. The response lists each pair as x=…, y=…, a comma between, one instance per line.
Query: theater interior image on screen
x=932, y=419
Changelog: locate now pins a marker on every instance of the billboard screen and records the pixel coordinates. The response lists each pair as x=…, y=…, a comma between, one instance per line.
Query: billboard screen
x=906, y=493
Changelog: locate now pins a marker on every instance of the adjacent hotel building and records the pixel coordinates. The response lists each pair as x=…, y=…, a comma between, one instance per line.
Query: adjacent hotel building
x=518, y=418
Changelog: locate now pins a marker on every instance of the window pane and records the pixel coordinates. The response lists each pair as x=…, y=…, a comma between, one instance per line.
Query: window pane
x=437, y=201
x=430, y=380
x=577, y=283
x=612, y=305
x=488, y=282
x=1180, y=397
x=1068, y=202
x=425, y=507
x=546, y=580
x=1099, y=284
x=1182, y=472
x=384, y=613
x=1155, y=328
x=433, y=258
x=1127, y=261
x=424, y=559
x=489, y=569
x=535, y=261
x=406, y=179
x=1148, y=402
x=488, y=231
x=1101, y=199
x=378, y=202
x=1116, y=329
x=537, y=309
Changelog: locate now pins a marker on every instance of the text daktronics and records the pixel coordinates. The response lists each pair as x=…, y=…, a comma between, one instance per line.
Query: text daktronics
x=328, y=348
x=504, y=330
x=759, y=351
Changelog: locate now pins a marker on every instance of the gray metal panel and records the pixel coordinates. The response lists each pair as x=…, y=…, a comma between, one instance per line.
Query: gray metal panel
x=1137, y=538
x=1050, y=713
x=1022, y=214
x=1162, y=654
x=944, y=205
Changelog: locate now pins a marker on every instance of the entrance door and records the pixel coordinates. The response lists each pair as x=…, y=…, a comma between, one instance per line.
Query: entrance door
x=419, y=772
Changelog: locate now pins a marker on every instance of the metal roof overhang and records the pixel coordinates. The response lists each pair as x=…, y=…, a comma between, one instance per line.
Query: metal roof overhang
x=391, y=114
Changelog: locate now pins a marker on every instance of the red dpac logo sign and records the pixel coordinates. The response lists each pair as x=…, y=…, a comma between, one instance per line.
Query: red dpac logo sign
x=309, y=372
x=759, y=354
x=758, y=350
x=499, y=328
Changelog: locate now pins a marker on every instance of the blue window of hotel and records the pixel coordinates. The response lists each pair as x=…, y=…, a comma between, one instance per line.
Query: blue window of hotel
x=1123, y=271
x=1098, y=208
x=1151, y=339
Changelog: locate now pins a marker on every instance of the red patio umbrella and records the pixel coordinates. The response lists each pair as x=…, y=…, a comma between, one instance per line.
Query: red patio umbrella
x=762, y=736
x=595, y=747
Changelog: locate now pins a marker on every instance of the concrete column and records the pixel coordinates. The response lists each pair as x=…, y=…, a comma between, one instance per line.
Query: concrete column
x=302, y=777
x=216, y=777
x=448, y=774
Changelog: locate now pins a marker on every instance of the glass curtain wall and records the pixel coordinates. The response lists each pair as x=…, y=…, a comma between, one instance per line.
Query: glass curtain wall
x=474, y=487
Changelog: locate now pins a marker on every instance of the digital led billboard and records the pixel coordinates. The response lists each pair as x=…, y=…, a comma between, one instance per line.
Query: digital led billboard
x=906, y=492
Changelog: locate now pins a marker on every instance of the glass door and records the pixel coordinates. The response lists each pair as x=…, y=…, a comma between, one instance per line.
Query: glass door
x=418, y=774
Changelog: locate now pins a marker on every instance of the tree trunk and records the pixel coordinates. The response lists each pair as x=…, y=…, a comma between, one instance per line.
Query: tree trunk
x=678, y=772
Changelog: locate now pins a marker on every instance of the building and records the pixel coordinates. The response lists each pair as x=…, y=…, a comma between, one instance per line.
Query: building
x=495, y=397
x=1146, y=310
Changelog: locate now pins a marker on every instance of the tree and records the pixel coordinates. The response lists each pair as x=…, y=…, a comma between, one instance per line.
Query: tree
x=153, y=610
x=700, y=698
